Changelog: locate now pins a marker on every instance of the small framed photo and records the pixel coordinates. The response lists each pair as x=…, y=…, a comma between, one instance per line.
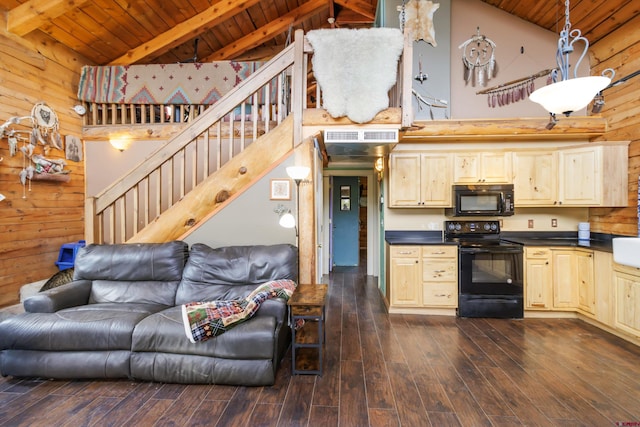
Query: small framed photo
x=281, y=189
x=345, y=204
x=345, y=191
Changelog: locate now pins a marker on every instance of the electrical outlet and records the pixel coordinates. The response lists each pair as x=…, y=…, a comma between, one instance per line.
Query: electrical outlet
x=530, y=223
x=554, y=222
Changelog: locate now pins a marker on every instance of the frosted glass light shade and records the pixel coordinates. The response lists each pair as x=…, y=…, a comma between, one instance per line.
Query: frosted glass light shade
x=567, y=96
x=287, y=220
x=120, y=144
x=297, y=172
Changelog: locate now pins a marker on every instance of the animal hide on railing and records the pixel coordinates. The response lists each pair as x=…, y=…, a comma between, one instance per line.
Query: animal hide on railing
x=355, y=69
x=199, y=83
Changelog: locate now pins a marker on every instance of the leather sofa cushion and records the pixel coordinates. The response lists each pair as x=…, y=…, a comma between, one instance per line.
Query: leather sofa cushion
x=138, y=272
x=231, y=266
x=89, y=327
x=164, y=332
x=162, y=262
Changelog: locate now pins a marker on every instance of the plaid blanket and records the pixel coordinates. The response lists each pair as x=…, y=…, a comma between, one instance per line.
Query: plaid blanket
x=206, y=319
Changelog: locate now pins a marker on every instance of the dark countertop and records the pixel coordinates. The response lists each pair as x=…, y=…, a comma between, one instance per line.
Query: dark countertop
x=598, y=241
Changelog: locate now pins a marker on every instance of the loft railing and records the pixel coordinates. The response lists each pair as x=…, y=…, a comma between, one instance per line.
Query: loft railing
x=214, y=135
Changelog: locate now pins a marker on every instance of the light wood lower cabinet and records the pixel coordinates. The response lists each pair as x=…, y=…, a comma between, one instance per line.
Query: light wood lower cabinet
x=406, y=276
x=440, y=276
x=538, y=279
x=559, y=279
x=424, y=276
x=627, y=285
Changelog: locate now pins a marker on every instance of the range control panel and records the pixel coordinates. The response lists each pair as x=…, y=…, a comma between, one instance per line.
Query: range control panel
x=453, y=228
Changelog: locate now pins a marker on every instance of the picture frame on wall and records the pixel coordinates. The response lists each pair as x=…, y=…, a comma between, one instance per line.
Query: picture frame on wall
x=280, y=189
x=345, y=191
x=345, y=204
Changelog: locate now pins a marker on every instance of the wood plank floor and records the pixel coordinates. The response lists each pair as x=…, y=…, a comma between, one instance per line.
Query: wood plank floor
x=380, y=370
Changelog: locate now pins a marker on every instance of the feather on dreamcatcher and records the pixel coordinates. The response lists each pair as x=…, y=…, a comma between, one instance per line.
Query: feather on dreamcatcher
x=478, y=59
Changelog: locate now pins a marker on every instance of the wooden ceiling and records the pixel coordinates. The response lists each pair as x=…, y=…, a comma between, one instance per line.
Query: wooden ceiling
x=168, y=31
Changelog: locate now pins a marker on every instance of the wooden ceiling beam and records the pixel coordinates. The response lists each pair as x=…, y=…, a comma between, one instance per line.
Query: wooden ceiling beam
x=267, y=32
x=31, y=15
x=361, y=7
x=214, y=15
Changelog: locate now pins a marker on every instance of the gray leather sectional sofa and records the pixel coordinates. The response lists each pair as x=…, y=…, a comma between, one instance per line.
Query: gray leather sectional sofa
x=121, y=316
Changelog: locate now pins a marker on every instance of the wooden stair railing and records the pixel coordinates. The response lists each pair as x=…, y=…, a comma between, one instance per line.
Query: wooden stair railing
x=210, y=141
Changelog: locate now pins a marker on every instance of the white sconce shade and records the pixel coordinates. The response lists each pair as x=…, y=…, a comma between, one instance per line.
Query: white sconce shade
x=287, y=220
x=379, y=164
x=297, y=172
x=120, y=144
x=567, y=96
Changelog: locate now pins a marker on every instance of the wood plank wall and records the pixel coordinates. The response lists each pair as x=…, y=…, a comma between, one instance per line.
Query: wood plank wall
x=620, y=50
x=35, y=69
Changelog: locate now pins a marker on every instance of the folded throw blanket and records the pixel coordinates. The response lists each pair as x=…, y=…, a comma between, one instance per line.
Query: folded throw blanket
x=206, y=319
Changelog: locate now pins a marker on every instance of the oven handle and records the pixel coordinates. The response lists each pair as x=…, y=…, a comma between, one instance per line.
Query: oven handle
x=493, y=250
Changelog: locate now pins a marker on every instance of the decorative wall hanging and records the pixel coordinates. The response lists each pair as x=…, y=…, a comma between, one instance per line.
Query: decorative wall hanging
x=478, y=59
x=73, y=148
x=513, y=91
x=44, y=132
x=416, y=17
x=355, y=69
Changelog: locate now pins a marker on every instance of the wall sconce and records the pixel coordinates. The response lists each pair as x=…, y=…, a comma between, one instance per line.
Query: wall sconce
x=287, y=220
x=379, y=167
x=120, y=143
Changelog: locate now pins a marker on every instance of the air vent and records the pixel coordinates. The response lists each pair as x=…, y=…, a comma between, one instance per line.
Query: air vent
x=371, y=135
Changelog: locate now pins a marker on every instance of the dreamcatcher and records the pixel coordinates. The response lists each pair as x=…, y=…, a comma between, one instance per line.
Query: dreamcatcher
x=478, y=59
x=45, y=126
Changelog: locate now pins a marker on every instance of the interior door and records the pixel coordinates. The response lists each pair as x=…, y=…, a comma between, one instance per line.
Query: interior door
x=345, y=220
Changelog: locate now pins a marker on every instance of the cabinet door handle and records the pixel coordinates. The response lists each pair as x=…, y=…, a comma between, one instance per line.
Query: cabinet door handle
x=439, y=271
x=405, y=252
x=443, y=295
x=438, y=253
x=538, y=304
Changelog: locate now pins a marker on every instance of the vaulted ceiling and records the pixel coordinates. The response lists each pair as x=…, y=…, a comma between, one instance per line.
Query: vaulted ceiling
x=170, y=31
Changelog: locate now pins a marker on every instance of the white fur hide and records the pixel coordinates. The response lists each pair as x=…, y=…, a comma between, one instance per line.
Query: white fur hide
x=419, y=20
x=355, y=69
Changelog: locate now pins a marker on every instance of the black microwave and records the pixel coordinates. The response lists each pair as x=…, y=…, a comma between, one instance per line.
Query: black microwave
x=482, y=200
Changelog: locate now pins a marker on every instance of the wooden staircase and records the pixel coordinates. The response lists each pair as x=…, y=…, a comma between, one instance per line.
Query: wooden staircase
x=211, y=161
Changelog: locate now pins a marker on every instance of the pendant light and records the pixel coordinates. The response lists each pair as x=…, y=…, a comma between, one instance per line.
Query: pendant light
x=569, y=94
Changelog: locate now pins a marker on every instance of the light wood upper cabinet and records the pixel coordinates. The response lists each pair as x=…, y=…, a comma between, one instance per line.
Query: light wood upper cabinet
x=593, y=176
x=420, y=180
x=482, y=168
x=535, y=178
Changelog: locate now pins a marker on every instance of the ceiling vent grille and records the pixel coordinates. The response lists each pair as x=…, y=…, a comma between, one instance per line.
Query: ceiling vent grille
x=370, y=135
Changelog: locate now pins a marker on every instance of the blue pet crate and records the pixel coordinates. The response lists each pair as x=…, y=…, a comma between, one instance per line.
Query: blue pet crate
x=67, y=255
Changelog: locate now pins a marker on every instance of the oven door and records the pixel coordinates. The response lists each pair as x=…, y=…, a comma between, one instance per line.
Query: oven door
x=491, y=270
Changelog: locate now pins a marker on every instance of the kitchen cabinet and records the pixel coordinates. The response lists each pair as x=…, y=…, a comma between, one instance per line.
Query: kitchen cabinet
x=565, y=289
x=593, y=176
x=604, y=288
x=420, y=180
x=482, y=168
x=627, y=283
x=538, y=278
x=406, y=276
x=440, y=276
x=534, y=178
x=585, y=281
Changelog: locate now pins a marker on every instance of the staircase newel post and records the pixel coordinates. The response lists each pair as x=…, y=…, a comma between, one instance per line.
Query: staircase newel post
x=298, y=87
x=90, y=221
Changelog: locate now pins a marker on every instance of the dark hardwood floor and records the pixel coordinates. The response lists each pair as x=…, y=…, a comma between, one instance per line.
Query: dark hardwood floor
x=380, y=370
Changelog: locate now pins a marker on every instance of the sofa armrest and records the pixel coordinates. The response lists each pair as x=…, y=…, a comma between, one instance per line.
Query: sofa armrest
x=276, y=307
x=65, y=296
